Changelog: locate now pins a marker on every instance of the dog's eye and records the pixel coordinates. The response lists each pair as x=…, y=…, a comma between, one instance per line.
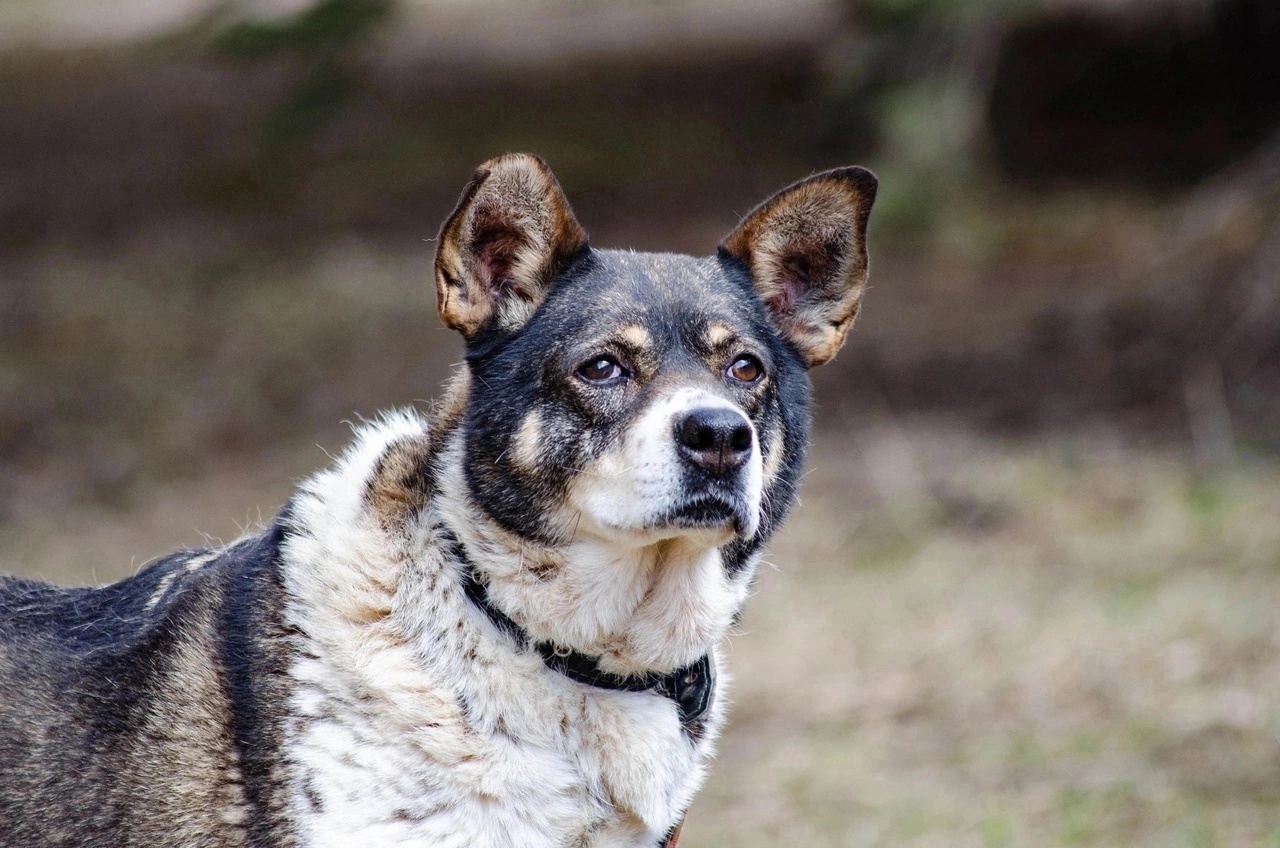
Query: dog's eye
x=746, y=369
x=601, y=369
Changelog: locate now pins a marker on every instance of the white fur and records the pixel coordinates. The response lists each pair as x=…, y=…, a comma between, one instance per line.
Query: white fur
x=165, y=583
x=419, y=723
x=624, y=491
x=641, y=597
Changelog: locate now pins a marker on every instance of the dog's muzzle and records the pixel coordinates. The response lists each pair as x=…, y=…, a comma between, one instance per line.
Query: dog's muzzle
x=714, y=444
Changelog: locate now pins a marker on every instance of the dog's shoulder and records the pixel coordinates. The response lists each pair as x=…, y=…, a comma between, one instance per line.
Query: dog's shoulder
x=385, y=471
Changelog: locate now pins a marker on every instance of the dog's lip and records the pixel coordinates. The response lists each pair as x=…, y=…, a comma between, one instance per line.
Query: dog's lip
x=708, y=511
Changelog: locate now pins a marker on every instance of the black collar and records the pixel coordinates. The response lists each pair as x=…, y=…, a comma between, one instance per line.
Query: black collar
x=692, y=688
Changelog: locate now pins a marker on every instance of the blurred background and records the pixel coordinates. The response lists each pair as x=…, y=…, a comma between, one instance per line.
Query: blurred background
x=1031, y=597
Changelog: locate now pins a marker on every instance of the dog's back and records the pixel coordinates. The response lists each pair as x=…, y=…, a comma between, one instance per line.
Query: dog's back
x=133, y=714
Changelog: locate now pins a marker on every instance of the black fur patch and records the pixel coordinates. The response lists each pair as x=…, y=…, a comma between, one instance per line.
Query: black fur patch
x=255, y=653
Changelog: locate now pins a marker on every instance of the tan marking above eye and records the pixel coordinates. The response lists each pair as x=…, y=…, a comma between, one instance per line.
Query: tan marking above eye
x=636, y=336
x=718, y=335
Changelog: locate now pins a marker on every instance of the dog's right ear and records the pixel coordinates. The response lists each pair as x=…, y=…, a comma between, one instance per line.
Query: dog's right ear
x=497, y=253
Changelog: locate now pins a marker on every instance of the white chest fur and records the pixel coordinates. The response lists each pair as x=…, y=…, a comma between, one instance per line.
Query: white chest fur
x=417, y=722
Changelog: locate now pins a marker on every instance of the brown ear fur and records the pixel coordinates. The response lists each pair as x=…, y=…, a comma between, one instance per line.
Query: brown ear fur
x=496, y=254
x=806, y=249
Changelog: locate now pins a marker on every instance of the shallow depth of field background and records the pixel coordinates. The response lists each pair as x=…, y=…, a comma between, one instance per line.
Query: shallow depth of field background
x=1032, y=595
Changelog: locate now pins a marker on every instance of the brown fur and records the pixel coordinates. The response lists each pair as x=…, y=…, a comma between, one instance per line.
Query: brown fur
x=401, y=482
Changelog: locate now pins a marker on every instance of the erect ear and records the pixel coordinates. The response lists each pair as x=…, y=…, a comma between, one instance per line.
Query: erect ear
x=806, y=250
x=510, y=233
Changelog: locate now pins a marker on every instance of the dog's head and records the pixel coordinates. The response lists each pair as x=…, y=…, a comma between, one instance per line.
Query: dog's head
x=635, y=424
x=636, y=398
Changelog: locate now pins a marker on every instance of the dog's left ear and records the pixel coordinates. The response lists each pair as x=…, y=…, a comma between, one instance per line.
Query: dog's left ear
x=806, y=251
x=497, y=253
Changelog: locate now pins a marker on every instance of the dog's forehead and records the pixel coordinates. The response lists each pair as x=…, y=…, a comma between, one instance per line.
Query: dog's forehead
x=658, y=288
x=667, y=276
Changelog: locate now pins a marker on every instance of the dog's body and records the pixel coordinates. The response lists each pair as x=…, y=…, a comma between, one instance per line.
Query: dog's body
x=495, y=626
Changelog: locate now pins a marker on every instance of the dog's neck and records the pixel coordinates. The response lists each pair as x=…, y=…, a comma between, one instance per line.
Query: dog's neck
x=638, y=607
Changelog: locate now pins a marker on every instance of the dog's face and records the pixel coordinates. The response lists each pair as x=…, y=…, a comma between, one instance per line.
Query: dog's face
x=643, y=397
x=648, y=397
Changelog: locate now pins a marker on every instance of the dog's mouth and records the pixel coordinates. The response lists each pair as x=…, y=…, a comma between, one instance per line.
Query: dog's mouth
x=710, y=512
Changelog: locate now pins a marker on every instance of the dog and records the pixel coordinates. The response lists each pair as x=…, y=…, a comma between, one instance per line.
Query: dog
x=495, y=624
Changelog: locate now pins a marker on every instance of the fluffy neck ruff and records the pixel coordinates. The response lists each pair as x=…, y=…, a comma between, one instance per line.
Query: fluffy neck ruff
x=640, y=608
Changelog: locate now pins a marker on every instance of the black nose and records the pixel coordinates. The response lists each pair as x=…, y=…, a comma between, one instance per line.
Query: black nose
x=717, y=440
